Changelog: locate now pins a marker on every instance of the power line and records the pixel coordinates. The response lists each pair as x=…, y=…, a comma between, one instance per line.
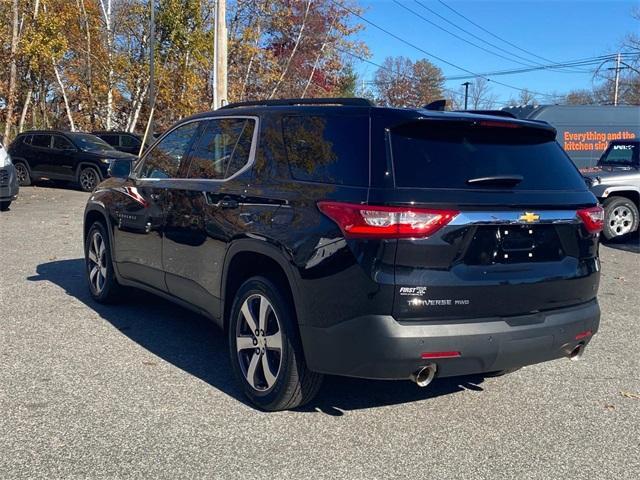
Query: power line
x=494, y=35
x=412, y=45
x=458, y=36
x=478, y=37
x=584, y=62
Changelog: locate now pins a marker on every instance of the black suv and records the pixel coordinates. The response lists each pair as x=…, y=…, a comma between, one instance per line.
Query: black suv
x=333, y=237
x=72, y=156
x=123, y=141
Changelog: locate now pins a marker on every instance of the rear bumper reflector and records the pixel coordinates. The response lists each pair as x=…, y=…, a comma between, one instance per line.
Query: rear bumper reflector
x=583, y=335
x=432, y=355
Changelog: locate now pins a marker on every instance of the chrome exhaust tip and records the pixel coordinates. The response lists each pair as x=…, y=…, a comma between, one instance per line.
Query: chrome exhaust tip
x=577, y=353
x=425, y=375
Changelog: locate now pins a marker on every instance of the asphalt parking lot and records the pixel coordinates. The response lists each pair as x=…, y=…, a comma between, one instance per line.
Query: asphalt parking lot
x=144, y=389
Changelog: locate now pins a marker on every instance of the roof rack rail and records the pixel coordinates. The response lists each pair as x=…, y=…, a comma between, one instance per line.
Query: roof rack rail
x=351, y=102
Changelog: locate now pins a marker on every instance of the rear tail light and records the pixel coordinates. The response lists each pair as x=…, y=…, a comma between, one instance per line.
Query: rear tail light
x=368, y=221
x=593, y=218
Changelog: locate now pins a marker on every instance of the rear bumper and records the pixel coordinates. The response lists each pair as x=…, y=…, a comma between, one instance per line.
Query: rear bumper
x=8, y=183
x=380, y=347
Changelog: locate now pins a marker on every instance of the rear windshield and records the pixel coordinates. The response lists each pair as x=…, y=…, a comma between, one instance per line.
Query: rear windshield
x=449, y=154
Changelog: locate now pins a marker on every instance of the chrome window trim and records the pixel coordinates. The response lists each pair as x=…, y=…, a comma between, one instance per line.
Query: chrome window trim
x=247, y=166
x=513, y=217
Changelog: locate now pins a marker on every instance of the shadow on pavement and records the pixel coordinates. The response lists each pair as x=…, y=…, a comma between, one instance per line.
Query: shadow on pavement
x=629, y=244
x=195, y=345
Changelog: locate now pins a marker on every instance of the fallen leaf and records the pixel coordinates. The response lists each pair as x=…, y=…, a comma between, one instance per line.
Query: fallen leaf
x=609, y=407
x=635, y=396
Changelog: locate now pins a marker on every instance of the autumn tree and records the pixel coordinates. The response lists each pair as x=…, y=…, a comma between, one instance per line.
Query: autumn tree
x=84, y=63
x=580, y=97
x=400, y=82
x=525, y=97
x=291, y=48
x=481, y=96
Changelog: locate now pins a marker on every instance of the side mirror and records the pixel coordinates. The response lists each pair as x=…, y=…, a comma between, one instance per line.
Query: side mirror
x=120, y=168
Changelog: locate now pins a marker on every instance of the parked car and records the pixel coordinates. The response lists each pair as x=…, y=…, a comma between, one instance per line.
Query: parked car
x=328, y=236
x=615, y=181
x=58, y=155
x=8, y=180
x=123, y=141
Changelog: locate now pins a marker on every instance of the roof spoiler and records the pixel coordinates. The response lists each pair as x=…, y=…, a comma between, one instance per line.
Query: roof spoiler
x=436, y=106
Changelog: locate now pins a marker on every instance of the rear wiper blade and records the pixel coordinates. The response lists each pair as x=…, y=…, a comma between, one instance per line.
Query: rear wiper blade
x=507, y=180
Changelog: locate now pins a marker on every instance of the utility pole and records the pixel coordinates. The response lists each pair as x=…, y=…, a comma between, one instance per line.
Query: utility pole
x=152, y=74
x=220, y=55
x=615, y=94
x=214, y=66
x=466, y=94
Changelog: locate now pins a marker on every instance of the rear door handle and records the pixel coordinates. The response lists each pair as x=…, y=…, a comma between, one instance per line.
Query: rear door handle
x=228, y=202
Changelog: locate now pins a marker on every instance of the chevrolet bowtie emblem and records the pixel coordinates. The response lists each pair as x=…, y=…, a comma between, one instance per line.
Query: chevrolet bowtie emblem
x=529, y=217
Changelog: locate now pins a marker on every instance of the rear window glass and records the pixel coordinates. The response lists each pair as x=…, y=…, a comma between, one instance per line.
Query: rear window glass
x=448, y=154
x=129, y=141
x=328, y=149
x=110, y=139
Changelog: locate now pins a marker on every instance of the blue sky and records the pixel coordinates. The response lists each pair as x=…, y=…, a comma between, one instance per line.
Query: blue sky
x=554, y=29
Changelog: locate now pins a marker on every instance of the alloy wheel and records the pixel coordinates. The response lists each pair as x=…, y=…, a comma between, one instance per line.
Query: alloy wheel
x=97, y=262
x=259, y=342
x=21, y=173
x=88, y=179
x=621, y=220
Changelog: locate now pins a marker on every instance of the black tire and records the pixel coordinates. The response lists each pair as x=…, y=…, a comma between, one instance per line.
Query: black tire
x=88, y=179
x=294, y=383
x=109, y=290
x=22, y=172
x=620, y=217
x=4, y=206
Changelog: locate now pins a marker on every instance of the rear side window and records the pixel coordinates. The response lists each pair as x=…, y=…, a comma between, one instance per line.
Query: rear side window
x=448, y=154
x=41, y=141
x=110, y=139
x=223, y=149
x=328, y=149
x=163, y=161
x=129, y=141
x=61, y=143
